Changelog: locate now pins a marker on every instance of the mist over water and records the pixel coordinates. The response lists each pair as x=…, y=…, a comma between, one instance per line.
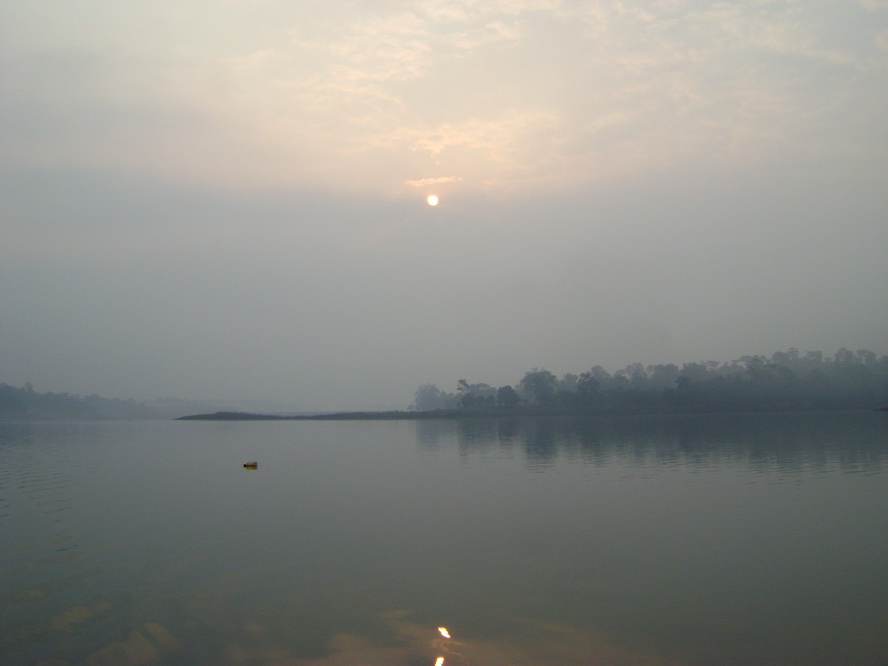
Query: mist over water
x=687, y=539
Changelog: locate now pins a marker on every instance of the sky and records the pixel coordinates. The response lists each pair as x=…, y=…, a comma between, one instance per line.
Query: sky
x=228, y=199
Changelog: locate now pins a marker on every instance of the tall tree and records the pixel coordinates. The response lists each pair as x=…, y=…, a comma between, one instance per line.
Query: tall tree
x=539, y=385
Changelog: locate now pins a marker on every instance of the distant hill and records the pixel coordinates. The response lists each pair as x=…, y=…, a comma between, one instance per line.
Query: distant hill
x=24, y=403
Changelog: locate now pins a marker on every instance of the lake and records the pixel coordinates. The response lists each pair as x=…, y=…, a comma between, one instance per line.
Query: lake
x=709, y=539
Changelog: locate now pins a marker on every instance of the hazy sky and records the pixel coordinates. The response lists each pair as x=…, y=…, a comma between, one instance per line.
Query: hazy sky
x=227, y=199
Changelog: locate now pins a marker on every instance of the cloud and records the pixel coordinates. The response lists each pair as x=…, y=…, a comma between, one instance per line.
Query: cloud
x=505, y=93
x=874, y=5
x=424, y=182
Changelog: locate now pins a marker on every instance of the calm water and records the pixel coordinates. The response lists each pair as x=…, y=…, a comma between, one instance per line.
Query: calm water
x=690, y=540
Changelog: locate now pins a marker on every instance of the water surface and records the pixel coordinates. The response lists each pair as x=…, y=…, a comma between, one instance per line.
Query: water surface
x=662, y=540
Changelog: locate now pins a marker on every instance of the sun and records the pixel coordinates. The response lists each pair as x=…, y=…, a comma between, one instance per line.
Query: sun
x=432, y=200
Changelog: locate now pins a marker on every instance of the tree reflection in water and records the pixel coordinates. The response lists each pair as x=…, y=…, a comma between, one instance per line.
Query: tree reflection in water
x=785, y=442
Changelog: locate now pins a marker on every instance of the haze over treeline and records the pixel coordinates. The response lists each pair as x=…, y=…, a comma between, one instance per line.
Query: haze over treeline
x=25, y=403
x=787, y=380
x=784, y=380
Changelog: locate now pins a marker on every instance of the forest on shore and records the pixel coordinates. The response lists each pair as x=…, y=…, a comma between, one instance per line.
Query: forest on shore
x=24, y=403
x=787, y=380
x=783, y=381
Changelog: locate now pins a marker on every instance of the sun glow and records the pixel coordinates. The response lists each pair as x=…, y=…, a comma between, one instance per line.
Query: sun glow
x=432, y=200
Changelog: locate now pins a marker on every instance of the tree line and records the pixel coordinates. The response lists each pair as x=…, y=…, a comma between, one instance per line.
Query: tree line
x=24, y=403
x=787, y=380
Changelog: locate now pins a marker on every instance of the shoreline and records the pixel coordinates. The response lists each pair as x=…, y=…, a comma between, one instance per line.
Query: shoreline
x=525, y=412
